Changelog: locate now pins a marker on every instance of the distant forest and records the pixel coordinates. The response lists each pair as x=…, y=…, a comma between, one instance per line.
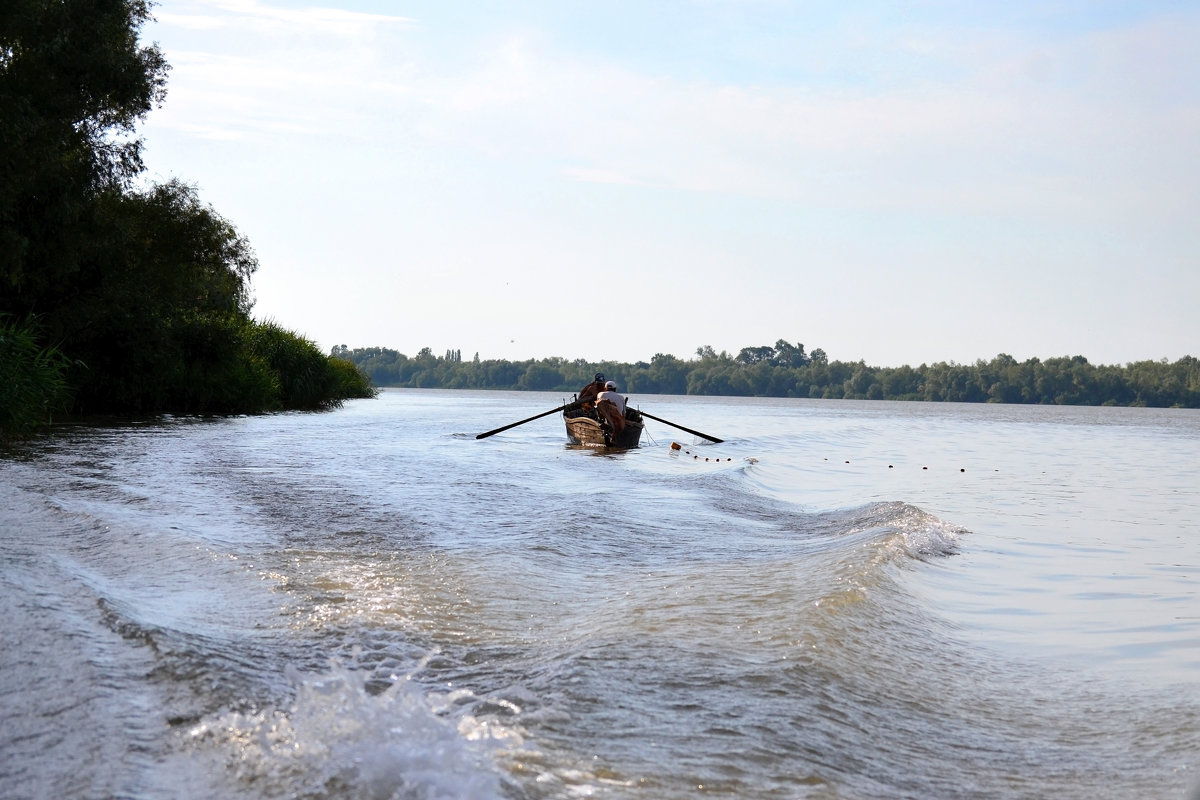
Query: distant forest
x=786, y=370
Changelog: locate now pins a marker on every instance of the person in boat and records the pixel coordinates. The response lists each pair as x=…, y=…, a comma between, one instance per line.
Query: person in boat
x=587, y=395
x=610, y=406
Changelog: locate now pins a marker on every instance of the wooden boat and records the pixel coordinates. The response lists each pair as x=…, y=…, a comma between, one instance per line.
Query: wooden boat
x=583, y=427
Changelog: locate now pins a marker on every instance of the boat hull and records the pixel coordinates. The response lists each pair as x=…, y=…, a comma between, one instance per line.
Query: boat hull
x=586, y=430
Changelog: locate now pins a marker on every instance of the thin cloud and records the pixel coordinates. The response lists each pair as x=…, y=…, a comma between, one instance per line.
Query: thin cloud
x=588, y=175
x=240, y=13
x=1005, y=135
x=1088, y=126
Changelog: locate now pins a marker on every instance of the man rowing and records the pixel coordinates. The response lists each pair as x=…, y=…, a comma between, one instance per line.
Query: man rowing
x=587, y=395
x=610, y=406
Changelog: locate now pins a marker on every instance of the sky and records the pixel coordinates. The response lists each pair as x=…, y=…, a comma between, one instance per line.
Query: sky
x=898, y=183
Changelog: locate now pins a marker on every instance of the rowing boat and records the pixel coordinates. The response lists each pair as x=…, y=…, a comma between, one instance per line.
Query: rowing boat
x=583, y=427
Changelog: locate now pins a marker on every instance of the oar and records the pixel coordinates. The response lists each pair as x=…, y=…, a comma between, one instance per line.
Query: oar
x=531, y=419
x=689, y=430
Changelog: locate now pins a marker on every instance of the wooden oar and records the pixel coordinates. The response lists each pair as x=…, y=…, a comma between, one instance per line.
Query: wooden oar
x=673, y=425
x=531, y=419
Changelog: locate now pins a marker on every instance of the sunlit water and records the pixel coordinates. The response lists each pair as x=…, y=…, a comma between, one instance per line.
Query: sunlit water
x=843, y=600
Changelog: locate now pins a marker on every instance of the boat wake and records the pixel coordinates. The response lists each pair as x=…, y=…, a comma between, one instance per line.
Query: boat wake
x=336, y=738
x=906, y=529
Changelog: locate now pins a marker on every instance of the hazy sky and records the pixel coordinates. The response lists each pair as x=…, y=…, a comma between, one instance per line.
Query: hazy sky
x=893, y=182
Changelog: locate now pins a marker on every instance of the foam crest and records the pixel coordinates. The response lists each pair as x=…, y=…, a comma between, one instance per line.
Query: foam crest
x=901, y=529
x=924, y=535
x=338, y=740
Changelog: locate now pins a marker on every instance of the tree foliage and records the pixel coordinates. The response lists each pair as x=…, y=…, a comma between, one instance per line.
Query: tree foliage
x=144, y=293
x=784, y=371
x=74, y=82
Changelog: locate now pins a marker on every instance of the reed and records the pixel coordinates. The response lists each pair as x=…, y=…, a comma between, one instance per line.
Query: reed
x=33, y=384
x=221, y=373
x=350, y=382
x=308, y=379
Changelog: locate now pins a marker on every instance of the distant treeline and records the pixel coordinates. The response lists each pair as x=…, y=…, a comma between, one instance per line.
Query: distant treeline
x=117, y=296
x=786, y=370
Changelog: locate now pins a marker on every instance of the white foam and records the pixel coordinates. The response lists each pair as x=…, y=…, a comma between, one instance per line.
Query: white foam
x=337, y=739
x=924, y=534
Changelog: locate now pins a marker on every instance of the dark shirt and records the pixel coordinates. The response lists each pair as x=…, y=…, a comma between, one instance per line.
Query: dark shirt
x=588, y=393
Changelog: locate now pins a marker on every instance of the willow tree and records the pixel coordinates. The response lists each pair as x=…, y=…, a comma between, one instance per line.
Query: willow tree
x=74, y=83
x=144, y=293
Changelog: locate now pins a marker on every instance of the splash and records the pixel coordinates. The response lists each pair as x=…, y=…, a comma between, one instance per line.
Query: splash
x=920, y=534
x=898, y=531
x=338, y=740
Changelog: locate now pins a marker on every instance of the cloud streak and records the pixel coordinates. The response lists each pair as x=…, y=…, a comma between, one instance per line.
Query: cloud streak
x=1071, y=126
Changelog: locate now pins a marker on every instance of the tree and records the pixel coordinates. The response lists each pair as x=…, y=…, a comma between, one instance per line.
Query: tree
x=669, y=373
x=858, y=384
x=146, y=294
x=1003, y=379
x=73, y=84
x=540, y=377
x=787, y=355
x=753, y=355
x=899, y=384
x=168, y=285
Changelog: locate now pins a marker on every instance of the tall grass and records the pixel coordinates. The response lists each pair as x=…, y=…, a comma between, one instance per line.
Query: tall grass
x=205, y=363
x=33, y=383
x=308, y=379
x=350, y=381
x=221, y=373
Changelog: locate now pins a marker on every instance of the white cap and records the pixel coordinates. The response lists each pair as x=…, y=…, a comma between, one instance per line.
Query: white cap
x=609, y=385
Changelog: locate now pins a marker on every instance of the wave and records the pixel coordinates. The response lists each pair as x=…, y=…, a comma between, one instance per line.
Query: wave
x=900, y=528
x=337, y=739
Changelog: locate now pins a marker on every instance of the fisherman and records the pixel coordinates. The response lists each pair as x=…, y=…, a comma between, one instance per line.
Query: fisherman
x=610, y=406
x=587, y=395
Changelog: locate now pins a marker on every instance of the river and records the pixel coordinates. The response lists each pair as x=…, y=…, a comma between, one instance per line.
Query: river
x=843, y=600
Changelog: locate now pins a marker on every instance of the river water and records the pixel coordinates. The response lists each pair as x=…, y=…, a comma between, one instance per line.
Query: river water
x=842, y=600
